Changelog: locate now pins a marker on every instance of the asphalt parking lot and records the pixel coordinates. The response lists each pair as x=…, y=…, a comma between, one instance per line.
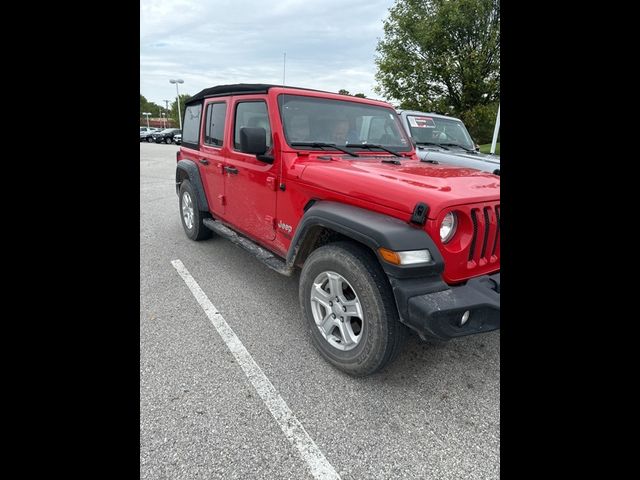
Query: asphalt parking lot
x=432, y=414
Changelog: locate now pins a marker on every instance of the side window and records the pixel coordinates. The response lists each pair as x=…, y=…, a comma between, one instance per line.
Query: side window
x=214, y=126
x=251, y=114
x=191, y=125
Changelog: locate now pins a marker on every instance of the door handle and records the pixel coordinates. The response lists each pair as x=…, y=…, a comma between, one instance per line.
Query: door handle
x=231, y=170
x=204, y=161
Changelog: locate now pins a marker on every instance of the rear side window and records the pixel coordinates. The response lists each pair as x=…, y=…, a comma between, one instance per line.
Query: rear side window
x=214, y=125
x=251, y=114
x=191, y=125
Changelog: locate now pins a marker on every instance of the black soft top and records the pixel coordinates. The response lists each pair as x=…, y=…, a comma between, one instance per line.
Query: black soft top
x=237, y=89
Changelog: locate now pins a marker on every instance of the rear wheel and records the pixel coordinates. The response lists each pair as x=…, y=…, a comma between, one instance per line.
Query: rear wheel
x=190, y=215
x=349, y=308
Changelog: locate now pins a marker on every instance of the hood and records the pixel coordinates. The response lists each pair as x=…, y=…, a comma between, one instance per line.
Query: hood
x=481, y=161
x=401, y=186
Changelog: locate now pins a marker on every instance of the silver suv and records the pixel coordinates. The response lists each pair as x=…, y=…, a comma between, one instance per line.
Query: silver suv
x=146, y=132
x=443, y=139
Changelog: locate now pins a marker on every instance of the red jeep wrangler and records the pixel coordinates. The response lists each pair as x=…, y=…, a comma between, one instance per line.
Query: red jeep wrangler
x=332, y=184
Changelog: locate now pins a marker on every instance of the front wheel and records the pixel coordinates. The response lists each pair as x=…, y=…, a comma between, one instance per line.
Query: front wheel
x=349, y=308
x=190, y=214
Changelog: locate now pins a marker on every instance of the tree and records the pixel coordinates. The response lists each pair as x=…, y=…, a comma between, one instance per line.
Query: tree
x=143, y=104
x=342, y=91
x=438, y=54
x=147, y=106
x=173, y=113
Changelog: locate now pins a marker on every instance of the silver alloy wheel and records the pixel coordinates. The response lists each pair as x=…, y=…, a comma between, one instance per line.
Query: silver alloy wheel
x=337, y=311
x=187, y=210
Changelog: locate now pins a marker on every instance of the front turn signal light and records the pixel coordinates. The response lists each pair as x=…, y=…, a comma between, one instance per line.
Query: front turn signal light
x=409, y=257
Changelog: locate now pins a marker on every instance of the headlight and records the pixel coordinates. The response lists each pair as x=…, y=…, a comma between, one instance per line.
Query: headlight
x=448, y=227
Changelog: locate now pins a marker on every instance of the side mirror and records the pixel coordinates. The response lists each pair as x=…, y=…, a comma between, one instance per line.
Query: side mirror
x=477, y=147
x=253, y=140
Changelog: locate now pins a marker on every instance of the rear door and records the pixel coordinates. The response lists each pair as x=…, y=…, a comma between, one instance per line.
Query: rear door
x=212, y=152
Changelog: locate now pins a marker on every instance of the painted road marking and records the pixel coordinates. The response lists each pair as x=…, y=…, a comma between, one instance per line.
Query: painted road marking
x=291, y=427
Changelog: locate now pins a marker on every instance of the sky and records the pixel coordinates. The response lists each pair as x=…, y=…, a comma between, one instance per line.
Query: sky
x=329, y=44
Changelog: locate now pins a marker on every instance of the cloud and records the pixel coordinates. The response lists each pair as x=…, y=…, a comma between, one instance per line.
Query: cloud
x=329, y=44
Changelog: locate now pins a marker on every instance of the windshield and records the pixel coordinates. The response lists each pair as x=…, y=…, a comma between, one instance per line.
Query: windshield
x=340, y=122
x=447, y=131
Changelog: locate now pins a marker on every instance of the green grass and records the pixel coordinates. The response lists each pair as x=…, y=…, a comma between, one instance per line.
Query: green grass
x=487, y=148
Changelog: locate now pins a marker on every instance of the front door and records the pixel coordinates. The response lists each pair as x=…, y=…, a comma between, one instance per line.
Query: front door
x=250, y=184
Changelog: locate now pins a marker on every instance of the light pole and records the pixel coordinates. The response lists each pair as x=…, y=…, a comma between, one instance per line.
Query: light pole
x=166, y=104
x=495, y=132
x=164, y=120
x=147, y=115
x=177, y=81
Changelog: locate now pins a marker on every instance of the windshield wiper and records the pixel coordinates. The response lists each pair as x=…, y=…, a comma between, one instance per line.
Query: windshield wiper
x=433, y=143
x=323, y=145
x=458, y=145
x=374, y=145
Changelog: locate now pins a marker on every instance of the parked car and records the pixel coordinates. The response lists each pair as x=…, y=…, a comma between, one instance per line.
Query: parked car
x=146, y=132
x=177, y=138
x=384, y=241
x=445, y=139
x=166, y=135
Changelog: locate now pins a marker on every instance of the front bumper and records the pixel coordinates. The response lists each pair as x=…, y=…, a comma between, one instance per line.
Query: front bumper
x=438, y=313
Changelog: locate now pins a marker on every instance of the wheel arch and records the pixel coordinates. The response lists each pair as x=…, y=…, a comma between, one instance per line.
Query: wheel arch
x=187, y=169
x=326, y=221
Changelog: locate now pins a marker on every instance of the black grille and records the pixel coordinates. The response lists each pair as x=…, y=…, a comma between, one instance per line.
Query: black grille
x=472, y=249
x=495, y=242
x=486, y=234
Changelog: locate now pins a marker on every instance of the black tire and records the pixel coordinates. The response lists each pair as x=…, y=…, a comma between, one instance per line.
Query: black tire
x=149, y=139
x=383, y=336
x=167, y=140
x=198, y=230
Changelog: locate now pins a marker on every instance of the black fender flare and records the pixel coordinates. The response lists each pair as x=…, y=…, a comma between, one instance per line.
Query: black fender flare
x=192, y=172
x=374, y=230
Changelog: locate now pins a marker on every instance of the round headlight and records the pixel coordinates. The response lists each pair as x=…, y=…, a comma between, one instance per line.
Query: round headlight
x=448, y=227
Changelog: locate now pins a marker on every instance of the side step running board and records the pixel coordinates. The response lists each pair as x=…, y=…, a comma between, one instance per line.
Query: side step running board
x=262, y=254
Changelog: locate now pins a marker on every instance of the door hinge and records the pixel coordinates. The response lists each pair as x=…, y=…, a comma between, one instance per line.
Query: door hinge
x=270, y=221
x=271, y=183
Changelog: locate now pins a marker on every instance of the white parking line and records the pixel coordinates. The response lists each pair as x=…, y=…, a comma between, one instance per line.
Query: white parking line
x=291, y=427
